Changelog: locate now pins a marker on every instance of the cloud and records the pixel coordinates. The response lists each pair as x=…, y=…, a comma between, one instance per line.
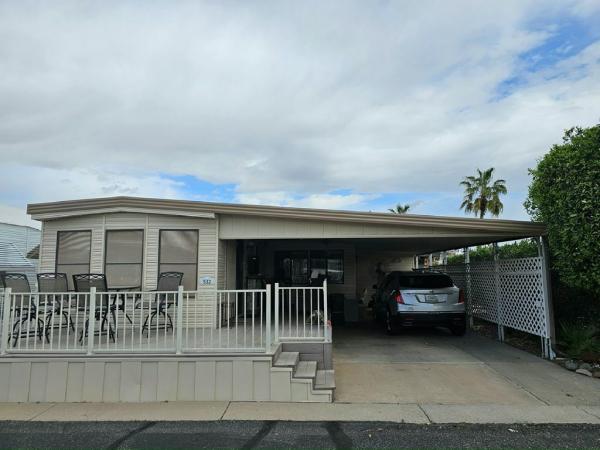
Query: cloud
x=288, y=102
x=20, y=183
x=17, y=216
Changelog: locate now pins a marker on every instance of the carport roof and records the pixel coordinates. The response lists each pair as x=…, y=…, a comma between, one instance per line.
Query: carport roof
x=71, y=208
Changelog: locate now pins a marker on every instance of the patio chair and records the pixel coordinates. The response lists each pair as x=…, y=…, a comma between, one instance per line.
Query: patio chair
x=53, y=286
x=83, y=282
x=167, y=282
x=24, y=308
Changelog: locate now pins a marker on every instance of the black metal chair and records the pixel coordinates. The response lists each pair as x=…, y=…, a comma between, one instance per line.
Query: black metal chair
x=52, y=287
x=83, y=282
x=24, y=309
x=167, y=282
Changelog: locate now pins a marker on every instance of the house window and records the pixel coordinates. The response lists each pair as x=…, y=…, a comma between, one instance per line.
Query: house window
x=335, y=267
x=73, y=251
x=178, y=252
x=299, y=268
x=252, y=263
x=124, y=256
x=292, y=267
x=318, y=264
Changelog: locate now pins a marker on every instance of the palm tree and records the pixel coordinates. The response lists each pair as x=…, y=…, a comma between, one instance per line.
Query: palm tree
x=400, y=209
x=482, y=194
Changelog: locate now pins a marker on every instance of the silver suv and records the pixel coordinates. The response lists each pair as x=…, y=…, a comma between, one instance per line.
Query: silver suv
x=407, y=299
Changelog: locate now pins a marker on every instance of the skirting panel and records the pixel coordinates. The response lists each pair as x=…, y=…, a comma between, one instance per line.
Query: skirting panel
x=144, y=379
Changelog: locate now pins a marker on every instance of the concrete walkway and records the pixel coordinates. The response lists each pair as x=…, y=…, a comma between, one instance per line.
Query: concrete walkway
x=211, y=411
x=434, y=367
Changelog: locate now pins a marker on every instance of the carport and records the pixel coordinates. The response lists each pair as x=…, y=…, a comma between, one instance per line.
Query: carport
x=420, y=366
x=278, y=245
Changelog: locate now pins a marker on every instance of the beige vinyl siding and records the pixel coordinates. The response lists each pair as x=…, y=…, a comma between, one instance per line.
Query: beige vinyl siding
x=151, y=224
x=253, y=227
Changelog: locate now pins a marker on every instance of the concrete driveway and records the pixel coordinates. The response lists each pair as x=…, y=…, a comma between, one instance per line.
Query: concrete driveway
x=434, y=367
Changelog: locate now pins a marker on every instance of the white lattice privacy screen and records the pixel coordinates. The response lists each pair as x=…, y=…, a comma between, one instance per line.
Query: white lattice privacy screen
x=509, y=292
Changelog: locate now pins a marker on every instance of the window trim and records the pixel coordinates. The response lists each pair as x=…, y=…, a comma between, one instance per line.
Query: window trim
x=197, y=263
x=142, y=265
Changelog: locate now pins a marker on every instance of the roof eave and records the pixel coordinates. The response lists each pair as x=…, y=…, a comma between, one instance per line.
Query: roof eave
x=70, y=208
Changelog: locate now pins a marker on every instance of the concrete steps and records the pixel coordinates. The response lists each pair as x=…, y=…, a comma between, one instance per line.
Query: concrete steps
x=306, y=369
x=325, y=379
x=300, y=381
x=287, y=359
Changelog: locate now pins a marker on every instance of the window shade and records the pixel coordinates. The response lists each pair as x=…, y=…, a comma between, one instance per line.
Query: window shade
x=124, y=258
x=178, y=252
x=73, y=251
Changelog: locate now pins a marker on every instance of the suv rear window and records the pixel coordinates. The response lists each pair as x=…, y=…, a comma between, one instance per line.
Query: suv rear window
x=425, y=281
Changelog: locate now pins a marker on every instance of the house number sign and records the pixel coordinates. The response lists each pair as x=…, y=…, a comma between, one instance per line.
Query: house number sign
x=206, y=281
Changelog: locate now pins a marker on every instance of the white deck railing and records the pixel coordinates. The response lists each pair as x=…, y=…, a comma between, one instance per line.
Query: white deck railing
x=222, y=321
x=301, y=313
x=240, y=321
x=136, y=322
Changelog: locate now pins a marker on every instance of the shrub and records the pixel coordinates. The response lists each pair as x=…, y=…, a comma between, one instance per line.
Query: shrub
x=520, y=249
x=565, y=194
x=579, y=342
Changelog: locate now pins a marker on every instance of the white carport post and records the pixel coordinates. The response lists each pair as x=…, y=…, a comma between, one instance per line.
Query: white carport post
x=548, y=343
x=498, y=295
x=468, y=285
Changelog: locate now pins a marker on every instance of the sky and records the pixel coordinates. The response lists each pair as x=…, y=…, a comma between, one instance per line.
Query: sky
x=355, y=105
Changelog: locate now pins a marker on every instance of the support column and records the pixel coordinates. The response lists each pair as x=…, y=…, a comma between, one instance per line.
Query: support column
x=498, y=295
x=469, y=306
x=542, y=243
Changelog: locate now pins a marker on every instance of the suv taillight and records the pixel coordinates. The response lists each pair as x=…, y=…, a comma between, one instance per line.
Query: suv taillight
x=399, y=298
x=461, y=296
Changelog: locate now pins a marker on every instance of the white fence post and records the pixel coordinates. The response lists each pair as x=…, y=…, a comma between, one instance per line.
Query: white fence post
x=92, y=321
x=6, y=328
x=469, y=305
x=268, y=319
x=276, y=312
x=326, y=326
x=498, y=294
x=547, y=293
x=179, y=322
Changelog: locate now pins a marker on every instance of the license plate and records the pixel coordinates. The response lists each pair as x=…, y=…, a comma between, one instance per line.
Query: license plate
x=432, y=299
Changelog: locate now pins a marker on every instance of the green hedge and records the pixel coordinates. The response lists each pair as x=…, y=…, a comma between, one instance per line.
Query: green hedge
x=519, y=249
x=565, y=194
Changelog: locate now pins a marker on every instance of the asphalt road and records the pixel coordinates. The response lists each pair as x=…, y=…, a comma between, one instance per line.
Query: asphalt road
x=243, y=434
